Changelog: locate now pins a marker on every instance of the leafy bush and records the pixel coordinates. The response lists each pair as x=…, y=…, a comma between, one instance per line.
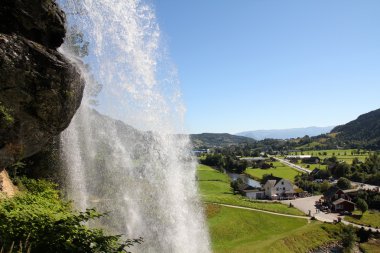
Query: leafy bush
x=37, y=219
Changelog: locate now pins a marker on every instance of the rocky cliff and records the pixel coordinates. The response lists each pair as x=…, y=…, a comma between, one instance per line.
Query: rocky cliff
x=40, y=90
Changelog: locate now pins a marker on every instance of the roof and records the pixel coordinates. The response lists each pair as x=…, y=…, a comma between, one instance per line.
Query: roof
x=254, y=158
x=244, y=187
x=339, y=201
x=273, y=180
x=298, y=156
x=330, y=192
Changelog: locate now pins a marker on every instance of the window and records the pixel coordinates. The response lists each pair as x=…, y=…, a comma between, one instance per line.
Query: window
x=282, y=182
x=284, y=188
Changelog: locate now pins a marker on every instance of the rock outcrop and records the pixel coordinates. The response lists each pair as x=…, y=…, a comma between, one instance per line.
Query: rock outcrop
x=40, y=90
x=37, y=20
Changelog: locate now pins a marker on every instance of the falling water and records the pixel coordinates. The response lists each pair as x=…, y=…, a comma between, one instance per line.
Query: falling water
x=140, y=172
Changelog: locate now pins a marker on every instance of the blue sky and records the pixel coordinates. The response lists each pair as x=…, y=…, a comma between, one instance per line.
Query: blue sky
x=271, y=64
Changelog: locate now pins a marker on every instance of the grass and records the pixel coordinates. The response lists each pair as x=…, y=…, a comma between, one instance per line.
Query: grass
x=372, y=246
x=215, y=188
x=369, y=218
x=313, y=166
x=342, y=154
x=235, y=230
x=280, y=170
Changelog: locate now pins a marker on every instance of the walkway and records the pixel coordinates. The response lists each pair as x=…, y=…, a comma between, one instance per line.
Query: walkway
x=262, y=211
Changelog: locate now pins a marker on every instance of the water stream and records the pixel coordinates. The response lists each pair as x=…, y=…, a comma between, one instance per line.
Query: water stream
x=140, y=172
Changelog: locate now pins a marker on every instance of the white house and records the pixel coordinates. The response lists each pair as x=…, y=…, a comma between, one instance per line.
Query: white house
x=278, y=188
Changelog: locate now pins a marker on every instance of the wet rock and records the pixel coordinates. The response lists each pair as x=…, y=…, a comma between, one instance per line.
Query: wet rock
x=37, y=20
x=40, y=92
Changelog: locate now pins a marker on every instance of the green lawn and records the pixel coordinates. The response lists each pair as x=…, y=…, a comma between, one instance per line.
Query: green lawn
x=242, y=231
x=371, y=217
x=215, y=187
x=280, y=170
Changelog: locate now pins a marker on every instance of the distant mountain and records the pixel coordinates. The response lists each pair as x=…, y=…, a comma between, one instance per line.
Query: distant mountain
x=218, y=140
x=362, y=132
x=286, y=133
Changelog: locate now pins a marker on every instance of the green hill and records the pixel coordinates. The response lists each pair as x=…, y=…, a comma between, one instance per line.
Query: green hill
x=362, y=132
x=218, y=140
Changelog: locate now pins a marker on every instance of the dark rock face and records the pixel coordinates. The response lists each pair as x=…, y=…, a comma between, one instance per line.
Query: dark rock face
x=40, y=90
x=38, y=20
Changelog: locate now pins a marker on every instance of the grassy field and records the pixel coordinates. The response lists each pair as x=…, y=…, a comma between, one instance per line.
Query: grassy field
x=215, y=188
x=242, y=231
x=280, y=170
x=372, y=246
x=342, y=154
x=371, y=217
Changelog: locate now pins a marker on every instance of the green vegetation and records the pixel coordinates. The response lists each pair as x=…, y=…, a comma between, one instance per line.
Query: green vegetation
x=369, y=218
x=218, y=140
x=215, y=188
x=371, y=246
x=234, y=230
x=37, y=220
x=278, y=170
x=346, y=155
x=5, y=115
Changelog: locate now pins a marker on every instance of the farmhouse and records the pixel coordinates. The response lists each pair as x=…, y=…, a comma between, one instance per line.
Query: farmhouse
x=278, y=188
x=337, y=200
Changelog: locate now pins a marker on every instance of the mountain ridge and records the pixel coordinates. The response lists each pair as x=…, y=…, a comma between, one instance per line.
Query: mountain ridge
x=285, y=133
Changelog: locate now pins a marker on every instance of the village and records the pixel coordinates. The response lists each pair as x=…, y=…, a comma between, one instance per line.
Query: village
x=330, y=205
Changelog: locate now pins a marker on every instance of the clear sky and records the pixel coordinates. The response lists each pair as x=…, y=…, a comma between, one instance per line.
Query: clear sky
x=271, y=64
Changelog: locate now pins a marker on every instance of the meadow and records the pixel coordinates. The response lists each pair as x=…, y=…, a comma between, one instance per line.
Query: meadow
x=242, y=231
x=279, y=170
x=215, y=188
x=346, y=155
x=369, y=218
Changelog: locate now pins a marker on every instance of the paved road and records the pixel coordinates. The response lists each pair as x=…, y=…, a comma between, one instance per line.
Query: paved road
x=294, y=166
x=304, y=170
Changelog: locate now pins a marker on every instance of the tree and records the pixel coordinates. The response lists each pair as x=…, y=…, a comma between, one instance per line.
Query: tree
x=362, y=205
x=343, y=183
x=348, y=238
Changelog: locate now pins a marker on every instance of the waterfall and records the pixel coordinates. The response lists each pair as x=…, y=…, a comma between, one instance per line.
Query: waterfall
x=131, y=163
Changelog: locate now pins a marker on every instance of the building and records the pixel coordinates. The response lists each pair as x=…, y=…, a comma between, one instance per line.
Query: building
x=340, y=205
x=278, y=188
x=311, y=160
x=337, y=200
x=254, y=194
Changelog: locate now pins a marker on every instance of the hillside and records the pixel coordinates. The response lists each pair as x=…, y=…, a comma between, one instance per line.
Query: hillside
x=362, y=132
x=218, y=140
x=285, y=133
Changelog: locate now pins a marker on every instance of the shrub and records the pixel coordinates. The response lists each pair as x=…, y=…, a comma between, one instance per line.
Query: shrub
x=38, y=219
